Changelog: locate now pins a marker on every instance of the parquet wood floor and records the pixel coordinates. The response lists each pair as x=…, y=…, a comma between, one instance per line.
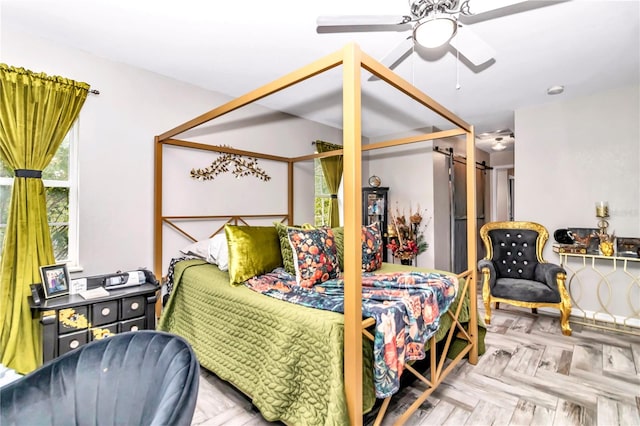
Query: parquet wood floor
x=530, y=375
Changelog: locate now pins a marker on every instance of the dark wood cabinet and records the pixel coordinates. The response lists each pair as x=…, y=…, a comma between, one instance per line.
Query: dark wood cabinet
x=375, y=206
x=68, y=322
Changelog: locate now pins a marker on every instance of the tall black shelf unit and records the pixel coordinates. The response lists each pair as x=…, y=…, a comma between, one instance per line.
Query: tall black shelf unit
x=375, y=207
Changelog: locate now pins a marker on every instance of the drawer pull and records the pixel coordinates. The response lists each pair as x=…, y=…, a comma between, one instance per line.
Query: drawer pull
x=74, y=344
x=105, y=312
x=134, y=328
x=135, y=305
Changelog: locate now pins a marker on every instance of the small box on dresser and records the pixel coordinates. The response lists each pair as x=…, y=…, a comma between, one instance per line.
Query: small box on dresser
x=68, y=322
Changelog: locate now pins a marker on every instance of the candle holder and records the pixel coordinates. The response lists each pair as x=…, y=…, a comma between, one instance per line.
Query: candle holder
x=606, y=240
x=602, y=212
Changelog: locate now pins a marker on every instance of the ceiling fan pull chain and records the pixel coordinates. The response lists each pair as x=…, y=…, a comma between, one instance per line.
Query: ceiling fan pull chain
x=413, y=62
x=457, y=70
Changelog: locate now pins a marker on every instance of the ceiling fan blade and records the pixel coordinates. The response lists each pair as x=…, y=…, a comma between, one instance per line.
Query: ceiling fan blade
x=397, y=54
x=355, y=20
x=476, y=7
x=477, y=11
x=472, y=47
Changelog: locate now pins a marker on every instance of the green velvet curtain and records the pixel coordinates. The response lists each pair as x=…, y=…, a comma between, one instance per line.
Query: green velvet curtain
x=332, y=171
x=36, y=112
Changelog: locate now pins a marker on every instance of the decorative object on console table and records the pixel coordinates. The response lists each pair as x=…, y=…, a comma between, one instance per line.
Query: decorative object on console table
x=70, y=321
x=602, y=213
x=606, y=243
x=628, y=247
x=566, y=243
x=606, y=240
x=374, y=209
x=406, y=236
x=587, y=237
x=564, y=236
x=570, y=248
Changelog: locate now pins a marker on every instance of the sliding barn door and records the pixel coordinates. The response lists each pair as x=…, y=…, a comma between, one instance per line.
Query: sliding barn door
x=459, y=215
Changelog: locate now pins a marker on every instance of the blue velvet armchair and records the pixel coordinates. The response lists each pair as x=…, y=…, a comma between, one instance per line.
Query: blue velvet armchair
x=514, y=271
x=136, y=378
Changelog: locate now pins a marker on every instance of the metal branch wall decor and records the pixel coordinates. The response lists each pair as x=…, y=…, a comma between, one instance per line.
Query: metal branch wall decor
x=242, y=166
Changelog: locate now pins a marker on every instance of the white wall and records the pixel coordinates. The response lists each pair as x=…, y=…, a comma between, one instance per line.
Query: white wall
x=408, y=172
x=502, y=158
x=116, y=152
x=573, y=153
x=501, y=195
x=502, y=165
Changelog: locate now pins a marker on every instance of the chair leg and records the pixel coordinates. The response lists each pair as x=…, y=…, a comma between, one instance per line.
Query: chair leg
x=564, y=320
x=486, y=298
x=497, y=305
x=565, y=305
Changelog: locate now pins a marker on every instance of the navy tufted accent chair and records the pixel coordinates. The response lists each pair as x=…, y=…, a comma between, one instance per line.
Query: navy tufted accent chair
x=137, y=378
x=514, y=271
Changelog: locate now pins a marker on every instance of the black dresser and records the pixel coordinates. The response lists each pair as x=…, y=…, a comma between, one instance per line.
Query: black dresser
x=68, y=322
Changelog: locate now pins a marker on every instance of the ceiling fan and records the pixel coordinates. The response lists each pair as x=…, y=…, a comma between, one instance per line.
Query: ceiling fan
x=433, y=24
x=499, y=140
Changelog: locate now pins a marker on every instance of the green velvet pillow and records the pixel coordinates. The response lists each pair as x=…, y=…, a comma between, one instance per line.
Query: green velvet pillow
x=338, y=236
x=253, y=250
x=285, y=246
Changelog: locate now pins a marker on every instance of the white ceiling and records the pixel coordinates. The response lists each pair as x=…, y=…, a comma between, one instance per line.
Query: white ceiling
x=233, y=47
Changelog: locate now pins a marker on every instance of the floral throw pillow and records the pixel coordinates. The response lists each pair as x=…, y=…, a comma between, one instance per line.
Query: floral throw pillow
x=315, y=255
x=371, y=247
x=285, y=247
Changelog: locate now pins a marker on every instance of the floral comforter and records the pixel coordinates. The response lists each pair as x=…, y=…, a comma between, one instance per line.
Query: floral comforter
x=405, y=305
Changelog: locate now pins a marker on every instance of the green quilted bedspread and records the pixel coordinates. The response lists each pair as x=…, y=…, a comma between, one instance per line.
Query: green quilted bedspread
x=287, y=358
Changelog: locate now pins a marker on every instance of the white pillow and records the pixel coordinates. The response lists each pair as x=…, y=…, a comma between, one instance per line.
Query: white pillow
x=213, y=250
x=199, y=249
x=219, y=252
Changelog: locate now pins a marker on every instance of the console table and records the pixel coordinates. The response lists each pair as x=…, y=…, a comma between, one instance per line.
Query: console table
x=68, y=322
x=613, y=285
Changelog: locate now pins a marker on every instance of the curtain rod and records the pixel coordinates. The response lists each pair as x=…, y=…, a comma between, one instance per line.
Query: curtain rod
x=94, y=91
x=482, y=165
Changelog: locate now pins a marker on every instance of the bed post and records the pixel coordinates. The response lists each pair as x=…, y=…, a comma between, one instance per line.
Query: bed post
x=290, y=165
x=157, y=217
x=472, y=246
x=352, y=141
x=157, y=209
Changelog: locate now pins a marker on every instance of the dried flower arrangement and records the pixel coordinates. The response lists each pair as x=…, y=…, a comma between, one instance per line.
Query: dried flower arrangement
x=242, y=166
x=406, y=237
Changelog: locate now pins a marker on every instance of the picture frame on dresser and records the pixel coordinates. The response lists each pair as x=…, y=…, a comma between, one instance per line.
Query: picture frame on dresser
x=55, y=280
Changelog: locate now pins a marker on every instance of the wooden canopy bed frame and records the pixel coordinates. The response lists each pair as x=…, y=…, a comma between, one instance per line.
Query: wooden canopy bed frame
x=352, y=60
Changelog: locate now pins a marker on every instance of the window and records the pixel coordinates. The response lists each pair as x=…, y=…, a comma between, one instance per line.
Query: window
x=322, y=196
x=60, y=181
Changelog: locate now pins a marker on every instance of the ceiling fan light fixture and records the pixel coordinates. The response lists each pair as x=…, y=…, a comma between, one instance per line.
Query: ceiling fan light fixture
x=435, y=31
x=555, y=90
x=498, y=146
